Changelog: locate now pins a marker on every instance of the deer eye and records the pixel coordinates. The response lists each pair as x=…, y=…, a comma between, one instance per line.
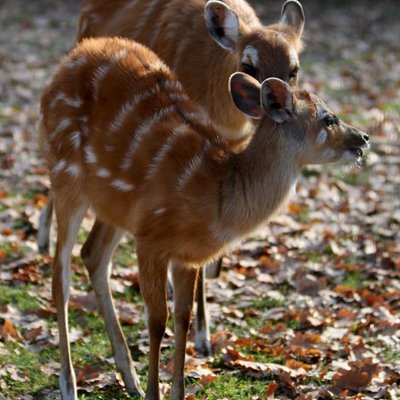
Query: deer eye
x=331, y=120
x=293, y=74
x=249, y=70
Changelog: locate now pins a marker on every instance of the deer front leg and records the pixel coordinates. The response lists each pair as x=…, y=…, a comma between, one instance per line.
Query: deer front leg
x=184, y=286
x=152, y=279
x=96, y=254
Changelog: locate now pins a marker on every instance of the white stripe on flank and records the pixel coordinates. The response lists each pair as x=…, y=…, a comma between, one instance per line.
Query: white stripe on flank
x=173, y=85
x=163, y=151
x=60, y=127
x=98, y=75
x=103, y=173
x=76, y=102
x=90, y=156
x=194, y=164
x=141, y=132
x=178, y=96
x=128, y=107
x=75, y=62
x=122, y=185
x=59, y=166
x=73, y=170
x=76, y=139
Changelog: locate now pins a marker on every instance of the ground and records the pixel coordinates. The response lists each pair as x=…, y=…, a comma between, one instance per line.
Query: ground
x=308, y=309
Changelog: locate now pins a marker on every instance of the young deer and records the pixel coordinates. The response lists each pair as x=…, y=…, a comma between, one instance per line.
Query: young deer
x=180, y=32
x=146, y=158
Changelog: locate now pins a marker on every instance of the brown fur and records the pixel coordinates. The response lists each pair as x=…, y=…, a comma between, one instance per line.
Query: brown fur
x=176, y=31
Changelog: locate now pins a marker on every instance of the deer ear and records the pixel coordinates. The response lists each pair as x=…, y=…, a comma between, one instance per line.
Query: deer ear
x=293, y=15
x=277, y=99
x=245, y=94
x=222, y=23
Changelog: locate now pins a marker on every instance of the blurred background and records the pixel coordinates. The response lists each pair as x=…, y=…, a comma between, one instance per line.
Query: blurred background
x=329, y=266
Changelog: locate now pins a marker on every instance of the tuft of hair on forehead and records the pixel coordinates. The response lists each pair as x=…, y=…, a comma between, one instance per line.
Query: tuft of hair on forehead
x=310, y=100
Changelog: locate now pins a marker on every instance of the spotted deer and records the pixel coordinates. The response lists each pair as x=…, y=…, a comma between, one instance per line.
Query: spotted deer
x=197, y=39
x=136, y=149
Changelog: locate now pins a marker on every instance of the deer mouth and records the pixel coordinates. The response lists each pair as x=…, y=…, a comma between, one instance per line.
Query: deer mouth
x=357, y=151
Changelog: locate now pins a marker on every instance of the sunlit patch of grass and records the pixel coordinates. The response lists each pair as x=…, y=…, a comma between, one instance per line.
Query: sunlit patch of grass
x=18, y=297
x=266, y=303
x=233, y=386
x=354, y=280
x=28, y=364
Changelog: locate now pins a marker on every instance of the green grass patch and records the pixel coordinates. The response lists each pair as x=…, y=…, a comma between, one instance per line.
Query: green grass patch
x=354, y=279
x=266, y=303
x=233, y=386
x=18, y=297
x=27, y=363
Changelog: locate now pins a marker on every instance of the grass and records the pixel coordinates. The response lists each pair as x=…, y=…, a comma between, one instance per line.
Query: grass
x=233, y=386
x=354, y=280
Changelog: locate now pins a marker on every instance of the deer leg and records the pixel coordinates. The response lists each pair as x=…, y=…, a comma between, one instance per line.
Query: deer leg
x=45, y=220
x=152, y=279
x=69, y=217
x=184, y=288
x=96, y=254
x=202, y=330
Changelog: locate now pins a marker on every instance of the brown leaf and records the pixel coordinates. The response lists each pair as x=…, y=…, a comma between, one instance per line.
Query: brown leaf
x=8, y=331
x=357, y=378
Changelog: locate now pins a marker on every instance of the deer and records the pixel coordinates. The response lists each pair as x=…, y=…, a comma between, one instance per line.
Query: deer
x=228, y=37
x=122, y=136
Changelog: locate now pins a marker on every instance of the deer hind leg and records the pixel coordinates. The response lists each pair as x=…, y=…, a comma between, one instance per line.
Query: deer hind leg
x=184, y=289
x=152, y=278
x=96, y=254
x=202, y=329
x=45, y=220
x=69, y=216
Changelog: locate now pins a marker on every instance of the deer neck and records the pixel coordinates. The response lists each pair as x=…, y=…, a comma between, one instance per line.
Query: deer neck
x=261, y=178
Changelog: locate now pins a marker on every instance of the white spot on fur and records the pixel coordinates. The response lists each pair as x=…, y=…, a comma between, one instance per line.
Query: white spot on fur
x=76, y=139
x=59, y=166
x=103, y=173
x=293, y=57
x=141, y=132
x=159, y=211
x=250, y=56
x=66, y=122
x=122, y=185
x=90, y=156
x=322, y=137
x=119, y=55
x=73, y=170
